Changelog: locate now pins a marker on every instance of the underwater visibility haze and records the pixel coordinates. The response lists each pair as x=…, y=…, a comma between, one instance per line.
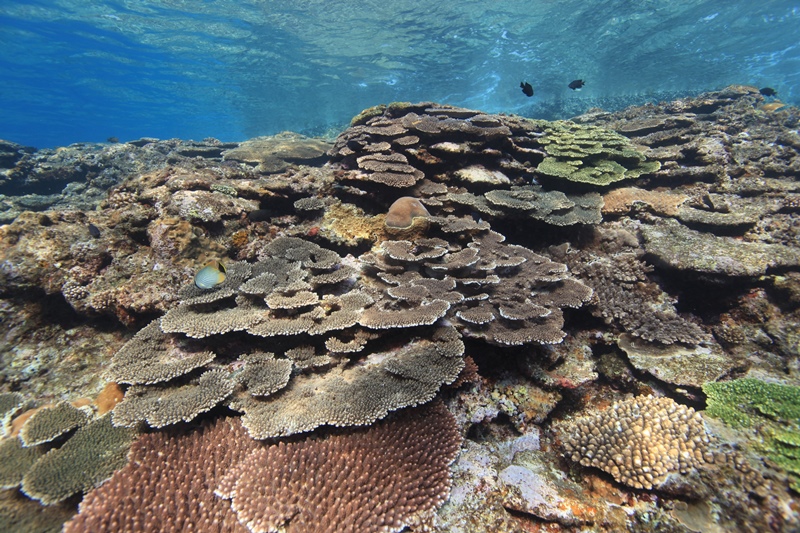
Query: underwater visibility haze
x=78, y=71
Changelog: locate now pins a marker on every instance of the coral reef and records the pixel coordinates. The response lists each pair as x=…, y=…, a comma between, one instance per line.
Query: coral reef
x=49, y=423
x=84, y=461
x=570, y=289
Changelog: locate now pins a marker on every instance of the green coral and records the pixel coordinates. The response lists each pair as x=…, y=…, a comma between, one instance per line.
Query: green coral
x=772, y=409
x=736, y=402
x=368, y=113
x=589, y=154
x=50, y=423
x=15, y=460
x=87, y=459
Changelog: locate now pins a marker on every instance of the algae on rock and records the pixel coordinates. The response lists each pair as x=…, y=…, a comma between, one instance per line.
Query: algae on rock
x=772, y=409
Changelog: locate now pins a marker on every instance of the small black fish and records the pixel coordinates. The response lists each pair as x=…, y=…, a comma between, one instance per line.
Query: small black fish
x=113, y=139
x=526, y=88
x=94, y=231
x=768, y=91
x=576, y=85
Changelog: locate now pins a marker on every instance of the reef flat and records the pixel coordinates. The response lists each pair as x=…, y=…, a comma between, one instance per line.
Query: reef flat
x=441, y=319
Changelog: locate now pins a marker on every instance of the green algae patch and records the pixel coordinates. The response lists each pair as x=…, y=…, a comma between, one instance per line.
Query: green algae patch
x=589, y=155
x=771, y=409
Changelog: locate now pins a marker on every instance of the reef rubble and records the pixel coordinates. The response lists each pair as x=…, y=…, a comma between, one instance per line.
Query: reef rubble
x=550, y=325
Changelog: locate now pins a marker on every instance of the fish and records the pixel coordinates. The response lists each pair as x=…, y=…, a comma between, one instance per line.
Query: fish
x=576, y=85
x=768, y=91
x=94, y=231
x=526, y=88
x=210, y=276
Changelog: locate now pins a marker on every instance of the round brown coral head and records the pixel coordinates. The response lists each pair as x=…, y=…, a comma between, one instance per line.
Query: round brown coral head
x=403, y=211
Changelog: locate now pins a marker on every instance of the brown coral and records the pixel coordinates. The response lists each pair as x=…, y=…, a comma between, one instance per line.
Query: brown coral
x=640, y=441
x=164, y=404
x=167, y=487
x=621, y=201
x=359, y=395
x=402, y=212
x=385, y=478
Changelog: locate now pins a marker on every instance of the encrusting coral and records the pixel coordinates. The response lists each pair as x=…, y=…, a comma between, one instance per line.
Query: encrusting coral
x=773, y=409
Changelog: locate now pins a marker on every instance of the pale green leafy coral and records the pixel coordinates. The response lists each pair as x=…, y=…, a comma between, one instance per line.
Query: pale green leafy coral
x=772, y=409
x=589, y=154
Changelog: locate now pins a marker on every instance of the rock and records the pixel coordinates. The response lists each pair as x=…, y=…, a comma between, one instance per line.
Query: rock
x=277, y=152
x=676, y=364
x=674, y=246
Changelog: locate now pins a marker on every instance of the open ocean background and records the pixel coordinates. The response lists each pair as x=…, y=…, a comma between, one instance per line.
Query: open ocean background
x=75, y=71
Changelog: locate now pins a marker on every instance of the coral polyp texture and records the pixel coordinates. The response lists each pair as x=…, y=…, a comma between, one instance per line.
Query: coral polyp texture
x=387, y=477
x=772, y=408
x=640, y=441
x=305, y=299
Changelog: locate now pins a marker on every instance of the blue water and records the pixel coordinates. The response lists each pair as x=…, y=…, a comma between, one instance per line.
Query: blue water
x=73, y=71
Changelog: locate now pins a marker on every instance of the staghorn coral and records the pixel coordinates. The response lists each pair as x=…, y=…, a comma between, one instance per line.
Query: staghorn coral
x=87, y=459
x=50, y=422
x=624, y=293
x=640, y=441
